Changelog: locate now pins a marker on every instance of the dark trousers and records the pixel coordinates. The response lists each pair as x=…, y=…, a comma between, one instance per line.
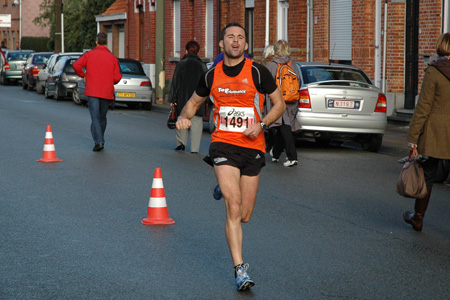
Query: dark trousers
x=98, y=108
x=284, y=138
x=430, y=167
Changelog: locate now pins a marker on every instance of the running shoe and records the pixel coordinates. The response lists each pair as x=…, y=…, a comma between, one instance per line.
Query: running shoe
x=243, y=281
x=290, y=163
x=217, y=193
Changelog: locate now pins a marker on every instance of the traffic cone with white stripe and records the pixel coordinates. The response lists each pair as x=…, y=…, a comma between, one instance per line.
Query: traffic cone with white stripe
x=157, y=213
x=49, y=153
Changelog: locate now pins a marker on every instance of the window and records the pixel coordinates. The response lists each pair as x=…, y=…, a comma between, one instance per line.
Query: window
x=176, y=28
x=341, y=31
x=5, y=2
x=209, y=35
x=282, y=20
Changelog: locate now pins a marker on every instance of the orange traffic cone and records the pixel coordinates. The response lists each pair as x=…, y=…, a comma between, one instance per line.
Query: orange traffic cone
x=157, y=213
x=49, y=153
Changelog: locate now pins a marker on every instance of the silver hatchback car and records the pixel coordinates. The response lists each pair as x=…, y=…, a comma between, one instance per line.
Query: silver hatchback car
x=340, y=102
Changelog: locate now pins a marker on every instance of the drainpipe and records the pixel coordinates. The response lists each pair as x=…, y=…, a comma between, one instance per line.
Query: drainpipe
x=266, y=42
x=310, y=30
x=377, y=78
x=160, y=73
x=384, y=47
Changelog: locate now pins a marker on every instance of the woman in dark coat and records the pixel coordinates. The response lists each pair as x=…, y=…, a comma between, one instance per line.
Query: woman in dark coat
x=430, y=126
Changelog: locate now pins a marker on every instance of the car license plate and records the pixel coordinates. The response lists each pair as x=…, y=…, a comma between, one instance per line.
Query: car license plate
x=350, y=104
x=126, y=95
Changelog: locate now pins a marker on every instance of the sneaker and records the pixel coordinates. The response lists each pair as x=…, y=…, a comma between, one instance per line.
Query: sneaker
x=217, y=193
x=273, y=158
x=290, y=163
x=243, y=281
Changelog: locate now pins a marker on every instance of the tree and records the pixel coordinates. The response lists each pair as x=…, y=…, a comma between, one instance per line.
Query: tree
x=80, y=27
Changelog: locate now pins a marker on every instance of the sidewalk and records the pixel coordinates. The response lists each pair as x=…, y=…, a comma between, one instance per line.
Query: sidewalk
x=394, y=140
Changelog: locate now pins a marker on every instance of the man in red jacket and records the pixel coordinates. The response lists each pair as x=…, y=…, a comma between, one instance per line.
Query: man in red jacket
x=102, y=73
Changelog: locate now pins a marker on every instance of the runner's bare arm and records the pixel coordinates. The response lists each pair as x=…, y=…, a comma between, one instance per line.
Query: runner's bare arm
x=189, y=110
x=277, y=110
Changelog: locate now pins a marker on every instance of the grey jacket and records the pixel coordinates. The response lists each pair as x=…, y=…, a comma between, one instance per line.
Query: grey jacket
x=289, y=115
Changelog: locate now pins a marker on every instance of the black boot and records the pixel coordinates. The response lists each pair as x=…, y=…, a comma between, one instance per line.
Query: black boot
x=420, y=207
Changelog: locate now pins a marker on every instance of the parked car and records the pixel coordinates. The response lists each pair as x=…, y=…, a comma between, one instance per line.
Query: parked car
x=12, y=64
x=32, y=67
x=340, y=102
x=134, y=87
x=48, y=67
x=62, y=79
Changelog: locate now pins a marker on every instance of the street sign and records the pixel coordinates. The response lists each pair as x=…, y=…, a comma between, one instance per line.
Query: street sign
x=5, y=20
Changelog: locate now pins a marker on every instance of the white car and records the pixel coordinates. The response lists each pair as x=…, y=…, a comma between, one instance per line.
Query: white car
x=340, y=102
x=133, y=89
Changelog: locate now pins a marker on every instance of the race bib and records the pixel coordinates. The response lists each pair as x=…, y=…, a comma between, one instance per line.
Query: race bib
x=236, y=119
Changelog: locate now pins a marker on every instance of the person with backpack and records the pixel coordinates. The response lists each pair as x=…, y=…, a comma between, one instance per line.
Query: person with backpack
x=287, y=77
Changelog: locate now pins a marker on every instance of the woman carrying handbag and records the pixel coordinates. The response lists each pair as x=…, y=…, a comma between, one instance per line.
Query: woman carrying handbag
x=430, y=126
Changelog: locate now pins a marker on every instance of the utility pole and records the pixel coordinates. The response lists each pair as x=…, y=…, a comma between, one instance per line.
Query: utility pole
x=160, y=73
x=58, y=4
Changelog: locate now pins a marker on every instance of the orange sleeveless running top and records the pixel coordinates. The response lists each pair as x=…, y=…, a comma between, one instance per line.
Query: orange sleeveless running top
x=237, y=105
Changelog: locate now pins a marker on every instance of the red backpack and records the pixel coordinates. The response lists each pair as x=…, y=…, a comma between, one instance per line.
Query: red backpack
x=288, y=82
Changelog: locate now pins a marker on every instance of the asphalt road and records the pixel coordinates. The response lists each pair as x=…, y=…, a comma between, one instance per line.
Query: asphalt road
x=330, y=228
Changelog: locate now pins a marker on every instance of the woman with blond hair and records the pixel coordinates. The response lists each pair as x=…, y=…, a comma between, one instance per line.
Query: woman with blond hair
x=287, y=123
x=429, y=130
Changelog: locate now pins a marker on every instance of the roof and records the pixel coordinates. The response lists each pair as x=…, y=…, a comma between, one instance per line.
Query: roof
x=120, y=6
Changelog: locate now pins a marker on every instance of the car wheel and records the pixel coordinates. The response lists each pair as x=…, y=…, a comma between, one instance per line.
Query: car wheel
x=4, y=80
x=39, y=88
x=46, y=91
x=212, y=125
x=76, y=96
x=57, y=96
x=147, y=105
x=24, y=85
x=30, y=87
x=373, y=143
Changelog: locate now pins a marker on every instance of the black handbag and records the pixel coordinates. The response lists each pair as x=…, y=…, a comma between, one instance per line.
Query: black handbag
x=172, y=117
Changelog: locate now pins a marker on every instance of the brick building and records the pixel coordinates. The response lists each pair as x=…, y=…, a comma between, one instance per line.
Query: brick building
x=344, y=31
x=22, y=13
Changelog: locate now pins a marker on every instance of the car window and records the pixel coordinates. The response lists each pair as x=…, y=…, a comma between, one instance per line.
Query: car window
x=59, y=66
x=18, y=56
x=69, y=66
x=323, y=73
x=40, y=59
x=130, y=67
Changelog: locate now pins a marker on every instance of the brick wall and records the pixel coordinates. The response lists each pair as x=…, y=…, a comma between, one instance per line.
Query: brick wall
x=395, y=53
x=363, y=36
x=321, y=31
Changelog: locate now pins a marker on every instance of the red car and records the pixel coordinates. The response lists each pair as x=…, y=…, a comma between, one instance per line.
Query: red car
x=32, y=67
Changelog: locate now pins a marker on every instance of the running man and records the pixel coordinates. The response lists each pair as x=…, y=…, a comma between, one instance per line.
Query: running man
x=237, y=86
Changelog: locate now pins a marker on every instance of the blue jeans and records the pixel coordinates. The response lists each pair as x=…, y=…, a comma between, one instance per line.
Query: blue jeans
x=98, y=108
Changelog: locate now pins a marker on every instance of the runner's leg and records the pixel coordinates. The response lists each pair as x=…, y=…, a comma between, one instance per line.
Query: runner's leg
x=239, y=194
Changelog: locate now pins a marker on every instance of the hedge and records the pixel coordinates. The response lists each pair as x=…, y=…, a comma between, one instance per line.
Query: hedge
x=38, y=44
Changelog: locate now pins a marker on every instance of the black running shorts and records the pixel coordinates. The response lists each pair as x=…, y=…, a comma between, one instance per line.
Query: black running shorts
x=249, y=161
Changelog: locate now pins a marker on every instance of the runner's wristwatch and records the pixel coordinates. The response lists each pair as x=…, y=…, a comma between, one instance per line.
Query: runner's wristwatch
x=263, y=125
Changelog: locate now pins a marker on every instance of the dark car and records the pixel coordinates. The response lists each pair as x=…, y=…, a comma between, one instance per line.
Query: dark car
x=12, y=64
x=62, y=80
x=134, y=87
x=43, y=74
x=33, y=66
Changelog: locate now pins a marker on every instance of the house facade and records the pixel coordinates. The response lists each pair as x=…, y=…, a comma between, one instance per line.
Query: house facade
x=391, y=40
x=22, y=13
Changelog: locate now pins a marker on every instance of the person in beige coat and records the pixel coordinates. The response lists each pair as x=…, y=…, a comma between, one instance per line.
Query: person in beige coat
x=430, y=126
